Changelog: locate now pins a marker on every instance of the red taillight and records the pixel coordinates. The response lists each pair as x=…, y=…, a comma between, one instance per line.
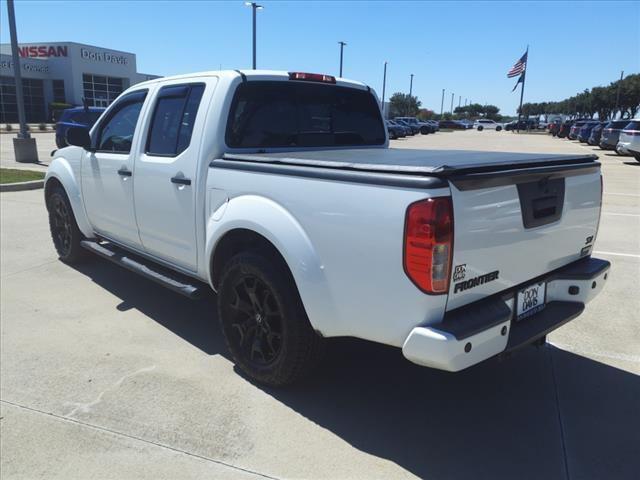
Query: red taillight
x=312, y=77
x=428, y=244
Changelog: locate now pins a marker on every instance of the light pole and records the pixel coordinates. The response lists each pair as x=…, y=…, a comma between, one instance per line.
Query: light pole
x=452, y=94
x=342, y=44
x=384, y=85
x=410, y=92
x=459, y=101
x=465, y=102
x=23, y=145
x=254, y=6
x=618, y=95
x=442, y=105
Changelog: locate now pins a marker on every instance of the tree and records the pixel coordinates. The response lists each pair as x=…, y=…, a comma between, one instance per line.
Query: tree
x=403, y=105
x=426, y=114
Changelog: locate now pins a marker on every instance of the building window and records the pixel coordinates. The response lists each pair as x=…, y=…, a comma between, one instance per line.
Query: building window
x=58, y=91
x=100, y=91
x=33, y=92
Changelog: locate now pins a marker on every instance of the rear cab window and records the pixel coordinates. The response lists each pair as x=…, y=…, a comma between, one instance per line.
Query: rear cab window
x=275, y=114
x=632, y=126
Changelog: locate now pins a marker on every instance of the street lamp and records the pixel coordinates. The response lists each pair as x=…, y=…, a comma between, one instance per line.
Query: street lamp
x=410, y=92
x=342, y=44
x=23, y=145
x=384, y=85
x=254, y=6
x=452, y=95
x=442, y=105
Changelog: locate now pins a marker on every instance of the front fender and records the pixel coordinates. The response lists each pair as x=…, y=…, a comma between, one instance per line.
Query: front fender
x=66, y=169
x=276, y=224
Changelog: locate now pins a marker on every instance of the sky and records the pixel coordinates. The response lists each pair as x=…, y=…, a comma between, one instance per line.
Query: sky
x=465, y=48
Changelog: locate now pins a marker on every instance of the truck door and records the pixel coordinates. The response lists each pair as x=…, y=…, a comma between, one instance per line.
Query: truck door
x=107, y=172
x=166, y=175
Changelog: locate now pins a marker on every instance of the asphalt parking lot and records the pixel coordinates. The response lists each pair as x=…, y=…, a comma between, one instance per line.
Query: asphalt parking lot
x=106, y=375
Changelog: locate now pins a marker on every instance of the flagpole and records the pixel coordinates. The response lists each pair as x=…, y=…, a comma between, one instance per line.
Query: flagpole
x=524, y=77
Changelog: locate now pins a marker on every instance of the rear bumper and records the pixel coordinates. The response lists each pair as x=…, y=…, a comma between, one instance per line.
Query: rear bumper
x=483, y=329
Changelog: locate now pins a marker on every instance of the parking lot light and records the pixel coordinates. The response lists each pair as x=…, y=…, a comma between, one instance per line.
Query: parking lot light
x=384, y=85
x=342, y=44
x=254, y=6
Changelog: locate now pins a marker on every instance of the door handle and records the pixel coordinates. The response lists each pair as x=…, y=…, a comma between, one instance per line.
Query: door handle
x=181, y=180
x=124, y=172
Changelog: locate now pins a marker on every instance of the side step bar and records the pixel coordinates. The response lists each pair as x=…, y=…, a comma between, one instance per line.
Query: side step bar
x=177, y=282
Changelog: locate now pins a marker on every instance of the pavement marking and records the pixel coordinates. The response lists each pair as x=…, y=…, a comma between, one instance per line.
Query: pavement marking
x=618, y=254
x=622, y=214
x=623, y=194
x=133, y=437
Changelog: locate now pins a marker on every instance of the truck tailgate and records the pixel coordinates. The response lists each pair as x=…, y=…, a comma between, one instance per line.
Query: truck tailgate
x=512, y=226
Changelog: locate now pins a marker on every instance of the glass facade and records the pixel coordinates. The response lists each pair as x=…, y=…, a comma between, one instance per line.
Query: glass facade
x=58, y=91
x=99, y=90
x=34, y=106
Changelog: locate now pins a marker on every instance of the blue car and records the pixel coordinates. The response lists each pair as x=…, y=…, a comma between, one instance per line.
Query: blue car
x=585, y=131
x=75, y=117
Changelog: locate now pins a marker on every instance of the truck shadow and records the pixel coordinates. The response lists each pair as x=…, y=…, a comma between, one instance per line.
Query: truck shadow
x=543, y=413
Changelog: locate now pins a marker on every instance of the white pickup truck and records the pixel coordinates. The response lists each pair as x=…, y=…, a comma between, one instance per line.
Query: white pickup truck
x=278, y=191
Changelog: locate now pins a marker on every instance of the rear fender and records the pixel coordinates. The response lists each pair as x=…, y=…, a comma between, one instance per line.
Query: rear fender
x=269, y=219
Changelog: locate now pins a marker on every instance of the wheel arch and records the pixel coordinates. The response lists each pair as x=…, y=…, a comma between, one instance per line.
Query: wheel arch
x=251, y=222
x=60, y=174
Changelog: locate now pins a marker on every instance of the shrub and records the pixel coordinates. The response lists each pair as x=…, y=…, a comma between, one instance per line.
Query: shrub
x=8, y=127
x=42, y=126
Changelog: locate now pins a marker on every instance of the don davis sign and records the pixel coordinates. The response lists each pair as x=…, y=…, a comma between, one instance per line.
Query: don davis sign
x=106, y=57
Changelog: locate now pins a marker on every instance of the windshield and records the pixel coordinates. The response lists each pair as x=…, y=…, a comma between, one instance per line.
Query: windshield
x=291, y=114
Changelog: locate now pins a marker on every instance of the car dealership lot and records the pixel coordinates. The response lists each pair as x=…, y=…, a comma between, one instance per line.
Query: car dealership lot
x=106, y=375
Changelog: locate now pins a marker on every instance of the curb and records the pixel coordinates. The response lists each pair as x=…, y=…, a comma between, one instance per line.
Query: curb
x=20, y=186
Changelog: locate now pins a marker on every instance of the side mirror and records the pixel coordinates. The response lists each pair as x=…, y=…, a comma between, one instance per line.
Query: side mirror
x=79, y=136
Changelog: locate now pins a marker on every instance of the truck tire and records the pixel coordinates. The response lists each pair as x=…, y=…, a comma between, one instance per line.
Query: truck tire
x=264, y=323
x=64, y=229
x=480, y=128
x=498, y=128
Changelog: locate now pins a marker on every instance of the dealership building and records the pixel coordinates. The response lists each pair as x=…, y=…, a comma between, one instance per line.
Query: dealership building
x=61, y=73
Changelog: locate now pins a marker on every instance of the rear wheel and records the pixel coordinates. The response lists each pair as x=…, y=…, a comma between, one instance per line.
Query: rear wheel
x=64, y=230
x=264, y=322
x=498, y=128
x=480, y=128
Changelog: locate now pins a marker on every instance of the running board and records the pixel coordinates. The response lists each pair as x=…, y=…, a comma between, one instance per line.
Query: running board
x=177, y=282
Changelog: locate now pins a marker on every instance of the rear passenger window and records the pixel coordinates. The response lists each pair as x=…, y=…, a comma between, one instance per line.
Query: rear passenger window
x=173, y=119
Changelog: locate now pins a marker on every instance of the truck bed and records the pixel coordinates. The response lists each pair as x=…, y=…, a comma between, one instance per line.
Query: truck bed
x=435, y=163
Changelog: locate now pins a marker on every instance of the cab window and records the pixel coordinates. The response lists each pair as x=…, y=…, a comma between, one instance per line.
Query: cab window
x=115, y=134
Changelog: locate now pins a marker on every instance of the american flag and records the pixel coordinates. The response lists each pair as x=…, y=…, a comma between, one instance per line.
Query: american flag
x=519, y=67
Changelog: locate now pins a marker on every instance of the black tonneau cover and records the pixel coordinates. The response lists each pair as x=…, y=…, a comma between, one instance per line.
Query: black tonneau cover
x=436, y=163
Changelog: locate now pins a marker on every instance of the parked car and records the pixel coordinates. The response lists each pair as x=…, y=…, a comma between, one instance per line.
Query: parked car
x=629, y=141
x=422, y=127
x=585, y=131
x=565, y=128
x=75, y=117
x=611, y=134
x=434, y=124
x=466, y=123
x=554, y=127
x=199, y=182
x=394, y=131
x=413, y=127
x=575, y=129
x=452, y=124
x=596, y=134
x=408, y=131
x=486, y=124
x=528, y=124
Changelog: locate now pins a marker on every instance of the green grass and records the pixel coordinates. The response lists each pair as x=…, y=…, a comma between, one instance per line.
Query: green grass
x=11, y=175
